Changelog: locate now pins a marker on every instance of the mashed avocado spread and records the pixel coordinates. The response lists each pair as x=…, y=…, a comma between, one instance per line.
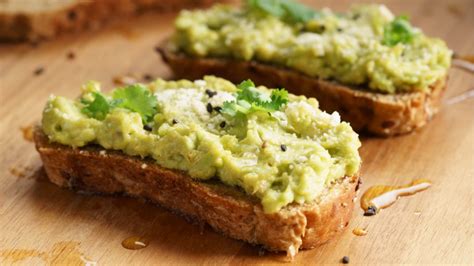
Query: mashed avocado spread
x=274, y=145
x=365, y=46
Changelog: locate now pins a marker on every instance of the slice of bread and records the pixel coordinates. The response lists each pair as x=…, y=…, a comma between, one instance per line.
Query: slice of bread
x=367, y=111
x=41, y=19
x=226, y=209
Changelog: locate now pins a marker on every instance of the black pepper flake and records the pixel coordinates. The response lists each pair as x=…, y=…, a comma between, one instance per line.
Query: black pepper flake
x=147, y=77
x=72, y=15
x=71, y=55
x=345, y=260
x=209, y=107
x=147, y=127
x=211, y=93
x=372, y=210
x=339, y=29
x=34, y=43
x=222, y=124
x=39, y=71
x=283, y=147
x=358, y=184
x=174, y=121
x=218, y=109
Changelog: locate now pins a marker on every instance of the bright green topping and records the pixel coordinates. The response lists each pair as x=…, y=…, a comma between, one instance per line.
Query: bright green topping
x=97, y=108
x=398, y=31
x=244, y=150
x=366, y=46
x=250, y=99
x=283, y=9
x=136, y=98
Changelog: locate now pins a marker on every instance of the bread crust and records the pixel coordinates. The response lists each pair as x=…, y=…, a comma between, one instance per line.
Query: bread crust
x=226, y=209
x=367, y=111
x=34, y=25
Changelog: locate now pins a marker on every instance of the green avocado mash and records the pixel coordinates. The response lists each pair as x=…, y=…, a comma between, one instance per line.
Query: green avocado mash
x=365, y=46
x=276, y=146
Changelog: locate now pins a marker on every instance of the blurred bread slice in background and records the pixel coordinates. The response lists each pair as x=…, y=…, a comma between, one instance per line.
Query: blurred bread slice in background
x=34, y=20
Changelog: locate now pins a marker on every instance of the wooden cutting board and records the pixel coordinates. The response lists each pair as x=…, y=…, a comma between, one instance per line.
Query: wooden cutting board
x=41, y=223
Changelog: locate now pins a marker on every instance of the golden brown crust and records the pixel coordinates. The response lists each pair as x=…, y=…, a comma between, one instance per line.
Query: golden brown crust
x=226, y=209
x=367, y=111
x=65, y=17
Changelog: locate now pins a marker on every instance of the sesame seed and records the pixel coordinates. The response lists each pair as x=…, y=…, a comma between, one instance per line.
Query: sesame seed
x=210, y=93
x=147, y=127
x=283, y=147
x=222, y=124
x=209, y=107
x=218, y=109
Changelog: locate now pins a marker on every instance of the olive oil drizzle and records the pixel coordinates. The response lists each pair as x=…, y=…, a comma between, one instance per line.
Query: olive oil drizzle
x=382, y=196
x=135, y=242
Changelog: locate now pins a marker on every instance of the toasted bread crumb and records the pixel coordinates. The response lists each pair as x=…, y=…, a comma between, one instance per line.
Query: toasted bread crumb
x=124, y=80
x=359, y=231
x=27, y=133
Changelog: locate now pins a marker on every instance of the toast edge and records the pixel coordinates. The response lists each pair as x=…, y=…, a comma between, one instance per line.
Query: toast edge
x=368, y=112
x=234, y=215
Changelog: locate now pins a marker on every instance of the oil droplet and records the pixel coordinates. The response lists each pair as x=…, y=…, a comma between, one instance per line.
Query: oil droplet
x=380, y=197
x=359, y=231
x=135, y=242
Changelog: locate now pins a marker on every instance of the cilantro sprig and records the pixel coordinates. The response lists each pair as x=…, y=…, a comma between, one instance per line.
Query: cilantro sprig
x=284, y=9
x=98, y=108
x=249, y=99
x=136, y=98
x=398, y=31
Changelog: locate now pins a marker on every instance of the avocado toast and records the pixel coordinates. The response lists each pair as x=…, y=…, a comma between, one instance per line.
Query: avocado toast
x=382, y=75
x=258, y=165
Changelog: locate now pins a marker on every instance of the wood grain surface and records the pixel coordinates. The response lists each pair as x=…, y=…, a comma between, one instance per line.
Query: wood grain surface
x=41, y=223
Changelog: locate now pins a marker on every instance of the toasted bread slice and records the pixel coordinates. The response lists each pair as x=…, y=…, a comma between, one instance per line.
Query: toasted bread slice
x=40, y=19
x=367, y=111
x=226, y=209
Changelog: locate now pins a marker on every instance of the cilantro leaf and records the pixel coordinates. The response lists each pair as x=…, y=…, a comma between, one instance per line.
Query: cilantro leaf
x=268, y=6
x=98, y=108
x=249, y=93
x=284, y=9
x=250, y=99
x=278, y=98
x=299, y=12
x=398, y=31
x=137, y=98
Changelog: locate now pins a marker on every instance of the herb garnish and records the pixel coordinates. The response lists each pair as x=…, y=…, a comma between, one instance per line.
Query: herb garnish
x=284, y=9
x=98, y=108
x=249, y=99
x=398, y=31
x=136, y=98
